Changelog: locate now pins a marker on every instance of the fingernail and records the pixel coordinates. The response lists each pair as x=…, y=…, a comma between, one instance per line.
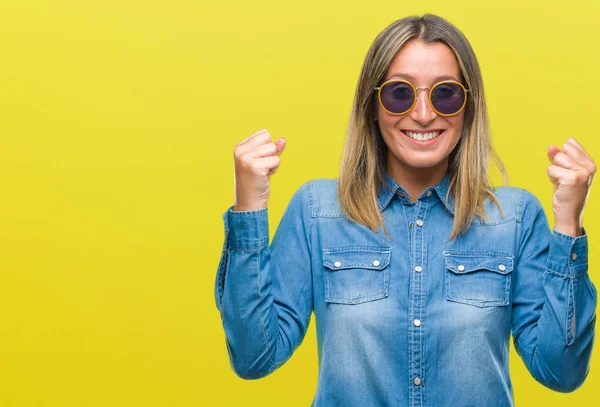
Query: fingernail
x=283, y=139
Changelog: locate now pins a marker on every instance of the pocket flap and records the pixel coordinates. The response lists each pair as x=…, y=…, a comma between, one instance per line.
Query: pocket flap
x=375, y=259
x=462, y=264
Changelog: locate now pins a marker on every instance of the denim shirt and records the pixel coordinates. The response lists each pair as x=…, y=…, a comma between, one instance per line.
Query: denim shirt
x=416, y=319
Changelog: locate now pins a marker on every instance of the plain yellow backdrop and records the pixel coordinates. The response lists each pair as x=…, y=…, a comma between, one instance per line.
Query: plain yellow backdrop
x=117, y=122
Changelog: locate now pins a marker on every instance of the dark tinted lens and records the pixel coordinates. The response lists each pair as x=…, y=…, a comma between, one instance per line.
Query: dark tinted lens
x=448, y=98
x=397, y=97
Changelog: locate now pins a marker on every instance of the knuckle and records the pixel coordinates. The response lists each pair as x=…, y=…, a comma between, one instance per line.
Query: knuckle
x=253, y=165
x=264, y=136
x=258, y=132
x=247, y=163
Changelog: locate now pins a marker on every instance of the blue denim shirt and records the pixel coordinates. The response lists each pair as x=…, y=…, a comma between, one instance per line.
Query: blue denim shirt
x=414, y=320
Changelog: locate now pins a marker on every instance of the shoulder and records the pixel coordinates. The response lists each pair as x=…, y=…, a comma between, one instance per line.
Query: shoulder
x=515, y=202
x=322, y=197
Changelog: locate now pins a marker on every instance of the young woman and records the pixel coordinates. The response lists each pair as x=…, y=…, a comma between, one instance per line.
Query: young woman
x=417, y=270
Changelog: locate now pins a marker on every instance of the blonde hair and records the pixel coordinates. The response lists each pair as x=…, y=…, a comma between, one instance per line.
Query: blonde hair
x=364, y=158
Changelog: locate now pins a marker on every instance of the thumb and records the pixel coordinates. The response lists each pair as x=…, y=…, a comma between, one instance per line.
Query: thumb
x=552, y=151
x=280, y=143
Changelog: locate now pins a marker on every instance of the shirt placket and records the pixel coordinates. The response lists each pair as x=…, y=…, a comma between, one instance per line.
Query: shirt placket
x=417, y=304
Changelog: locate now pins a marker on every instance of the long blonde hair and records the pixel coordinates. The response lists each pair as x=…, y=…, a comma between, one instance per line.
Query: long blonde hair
x=364, y=158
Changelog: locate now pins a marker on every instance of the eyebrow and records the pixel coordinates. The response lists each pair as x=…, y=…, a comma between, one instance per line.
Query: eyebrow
x=412, y=79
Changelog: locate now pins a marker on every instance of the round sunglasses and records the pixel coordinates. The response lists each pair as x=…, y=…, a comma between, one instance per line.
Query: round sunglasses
x=397, y=97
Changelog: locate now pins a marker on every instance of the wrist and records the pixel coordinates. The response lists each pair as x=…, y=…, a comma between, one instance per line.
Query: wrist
x=569, y=229
x=248, y=207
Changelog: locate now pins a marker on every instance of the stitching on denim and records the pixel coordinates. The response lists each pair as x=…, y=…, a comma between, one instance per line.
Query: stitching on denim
x=246, y=251
x=384, y=270
x=452, y=296
x=423, y=295
x=221, y=279
x=357, y=300
x=569, y=313
x=472, y=253
x=311, y=200
x=574, y=312
x=224, y=261
x=358, y=248
x=494, y=223
x=559, y=274
x=479, y=303
x=260, y=317
x=520, y=207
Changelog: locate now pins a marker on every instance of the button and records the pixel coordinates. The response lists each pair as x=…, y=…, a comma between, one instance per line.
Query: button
x=574, y=256
x=461, y=268
x=418, y=269
x=410, y=225
x=402, y=195
x=376, y=263
x=417, y=322
x=337, y=264
x=417, y=381
x=429, y=193
x=502, y=267
x=419, y=222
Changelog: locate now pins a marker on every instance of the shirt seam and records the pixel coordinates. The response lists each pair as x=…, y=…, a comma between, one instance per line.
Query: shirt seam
x=262, y=322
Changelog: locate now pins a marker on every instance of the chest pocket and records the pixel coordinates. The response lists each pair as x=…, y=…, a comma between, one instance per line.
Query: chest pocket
x=356, y=275
x=478, y=279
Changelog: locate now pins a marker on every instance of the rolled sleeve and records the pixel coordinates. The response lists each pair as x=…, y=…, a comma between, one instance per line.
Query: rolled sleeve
x=249, y=230
x=568, y=255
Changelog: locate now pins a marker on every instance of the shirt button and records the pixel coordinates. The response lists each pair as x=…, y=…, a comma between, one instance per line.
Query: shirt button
x=502, y=267
x=418, y=269
x=417, y=322
x=337, y=264
x=376, y=263
x=419, y=222
x=461, y=268
x=428, y=193
x=574, y=256
x=410, y=225
x=417, y=381
x=402, y=195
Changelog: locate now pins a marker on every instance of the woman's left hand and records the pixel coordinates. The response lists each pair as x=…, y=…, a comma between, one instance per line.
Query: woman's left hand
x=571, y=172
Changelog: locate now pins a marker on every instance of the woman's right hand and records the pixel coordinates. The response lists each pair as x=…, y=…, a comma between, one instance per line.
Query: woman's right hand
x=256, y=159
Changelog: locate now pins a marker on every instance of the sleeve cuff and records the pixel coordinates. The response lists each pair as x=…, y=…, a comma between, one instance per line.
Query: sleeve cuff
x=568, y=255
x=247, y=230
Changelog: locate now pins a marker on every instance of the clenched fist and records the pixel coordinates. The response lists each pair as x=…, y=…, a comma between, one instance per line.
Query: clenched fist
x=256, y=159
x=571, y=172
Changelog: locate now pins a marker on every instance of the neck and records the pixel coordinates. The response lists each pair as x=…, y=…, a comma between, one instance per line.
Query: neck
x=417, y=180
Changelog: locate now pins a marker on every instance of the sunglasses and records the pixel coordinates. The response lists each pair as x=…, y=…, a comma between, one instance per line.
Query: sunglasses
x=397, y=97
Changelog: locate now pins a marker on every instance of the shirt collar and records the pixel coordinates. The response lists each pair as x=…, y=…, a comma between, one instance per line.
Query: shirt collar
x=390, y=187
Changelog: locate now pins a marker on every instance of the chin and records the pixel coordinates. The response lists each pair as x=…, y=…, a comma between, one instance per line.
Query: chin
x=423, y=164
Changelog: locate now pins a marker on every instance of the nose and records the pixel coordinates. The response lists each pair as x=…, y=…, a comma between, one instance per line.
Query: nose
x=422, y=111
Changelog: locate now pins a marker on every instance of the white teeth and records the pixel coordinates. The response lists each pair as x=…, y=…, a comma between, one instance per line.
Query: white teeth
x=422, y=136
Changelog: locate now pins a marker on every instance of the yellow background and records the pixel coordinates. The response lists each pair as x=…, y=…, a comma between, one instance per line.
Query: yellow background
x=117, y=122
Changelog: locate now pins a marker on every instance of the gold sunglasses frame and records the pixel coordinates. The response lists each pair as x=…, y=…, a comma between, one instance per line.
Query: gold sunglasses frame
x=378, y=89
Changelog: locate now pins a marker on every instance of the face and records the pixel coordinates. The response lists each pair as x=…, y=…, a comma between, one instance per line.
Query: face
x=423, y=65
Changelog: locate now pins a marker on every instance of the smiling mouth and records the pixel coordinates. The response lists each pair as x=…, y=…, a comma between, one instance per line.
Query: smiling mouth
x=422, y=136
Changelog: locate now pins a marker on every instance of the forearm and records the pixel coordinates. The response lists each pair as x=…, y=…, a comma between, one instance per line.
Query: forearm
x=558, y=347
